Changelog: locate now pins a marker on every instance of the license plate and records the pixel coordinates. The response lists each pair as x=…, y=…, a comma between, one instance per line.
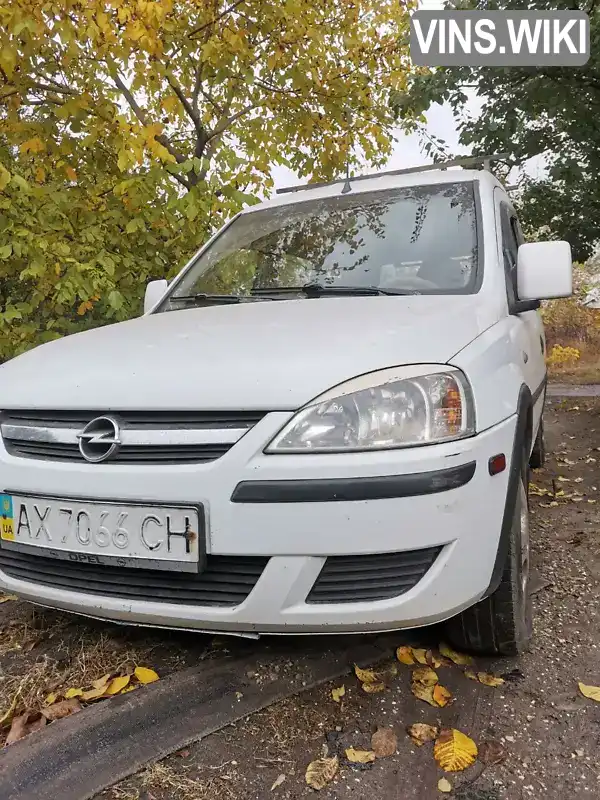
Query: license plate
x=93, y=532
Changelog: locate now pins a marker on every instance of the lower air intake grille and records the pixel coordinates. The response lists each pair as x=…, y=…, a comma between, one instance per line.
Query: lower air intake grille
x=226, y=581
x=355, y=579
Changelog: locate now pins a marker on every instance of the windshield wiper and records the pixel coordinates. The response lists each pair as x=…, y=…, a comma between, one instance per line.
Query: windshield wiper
x=318, y=290
x=202, y=297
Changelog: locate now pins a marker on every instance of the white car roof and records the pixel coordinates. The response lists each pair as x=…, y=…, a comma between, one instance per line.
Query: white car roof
x=378, y=182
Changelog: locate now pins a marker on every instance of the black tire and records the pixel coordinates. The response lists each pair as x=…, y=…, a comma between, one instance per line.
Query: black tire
x=501, y=624
x=538, y=454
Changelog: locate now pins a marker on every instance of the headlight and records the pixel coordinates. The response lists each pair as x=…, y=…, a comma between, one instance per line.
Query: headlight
x=399, y=407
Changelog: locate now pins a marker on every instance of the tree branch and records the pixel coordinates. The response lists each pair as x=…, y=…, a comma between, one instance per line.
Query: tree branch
x=160, y=138
x=191, y=111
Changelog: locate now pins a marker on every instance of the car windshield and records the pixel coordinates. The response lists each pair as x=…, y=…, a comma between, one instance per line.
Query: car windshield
x=415, y=240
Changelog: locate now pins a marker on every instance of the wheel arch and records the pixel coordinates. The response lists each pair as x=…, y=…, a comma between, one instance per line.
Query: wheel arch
x=522, y=443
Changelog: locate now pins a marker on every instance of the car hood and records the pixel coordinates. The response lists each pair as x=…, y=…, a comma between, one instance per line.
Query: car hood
x=263, y=356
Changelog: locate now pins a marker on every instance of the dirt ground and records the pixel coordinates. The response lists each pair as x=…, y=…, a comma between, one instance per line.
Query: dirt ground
x=550, y=733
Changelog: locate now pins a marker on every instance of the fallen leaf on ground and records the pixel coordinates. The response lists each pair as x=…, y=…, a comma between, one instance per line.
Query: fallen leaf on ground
x=424, y=693
x=373, y=688
x=441, y=695
x=366, y=675
x=359, y=756
x=22, y=726
x=384, y=742
x=491, y=752
x=278, y=781
x=489, y=680
x=62, y=709
x=435, y=661
x=4, y=598
x=421, y=733
x=420, y=655
x=470, y=674
x=338, y=693
x=130, y=688
x=49, y=699
x=73, y=692
x=145, y=674
x=454, y=750
x=101, y=682
x=444, y=785
x=462, y=659
x=592, y=692
x=425, y=676
x=405, y=655
x=93, y=694
x=320, y=772
x=115, y=686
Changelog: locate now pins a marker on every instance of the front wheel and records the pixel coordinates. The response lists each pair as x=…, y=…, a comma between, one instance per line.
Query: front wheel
x=501, y=624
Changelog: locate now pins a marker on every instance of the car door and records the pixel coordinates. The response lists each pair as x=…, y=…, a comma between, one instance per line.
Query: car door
x=527, y=329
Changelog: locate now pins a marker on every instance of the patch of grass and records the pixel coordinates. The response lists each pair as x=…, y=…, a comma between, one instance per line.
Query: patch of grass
x=163, y=780
x=44, y=651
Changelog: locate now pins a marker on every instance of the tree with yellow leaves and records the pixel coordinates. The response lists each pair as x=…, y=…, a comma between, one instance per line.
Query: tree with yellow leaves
x=131, y=129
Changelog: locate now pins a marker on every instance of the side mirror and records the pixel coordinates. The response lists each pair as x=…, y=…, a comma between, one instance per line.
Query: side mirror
x=154, y=292
x=544, y=271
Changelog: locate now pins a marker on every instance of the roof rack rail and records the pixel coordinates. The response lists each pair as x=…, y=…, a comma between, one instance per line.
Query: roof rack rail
x=475, y=162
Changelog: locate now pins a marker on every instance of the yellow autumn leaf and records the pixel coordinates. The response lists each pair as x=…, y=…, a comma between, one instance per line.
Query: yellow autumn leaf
x=373, y=688
x=444, y=786
x=50, y=698
x=421, y=733
x=71, y=174
x=365, y=675
x=131, y=688
x=454, y=751
x=420, y=655
x=94, y=694
x=471, y=674
x=424, y=675
x=73, y=692
x=145, y=675
x=424, y=693
x=4, y=598
x=34, y=145
x=592, y=692
x=100, y=683
x=462, y=659
x=405, y=655
x=319, y=773
x=115, y=686
x=338, y=693
x=441, y=695
x=359, y=756
x=489, y=680
x=40, y=174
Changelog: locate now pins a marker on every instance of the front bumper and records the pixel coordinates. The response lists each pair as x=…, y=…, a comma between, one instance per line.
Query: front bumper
x=297, y=534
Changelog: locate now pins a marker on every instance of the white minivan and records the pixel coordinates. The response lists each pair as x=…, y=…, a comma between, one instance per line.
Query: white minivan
x=323, y=424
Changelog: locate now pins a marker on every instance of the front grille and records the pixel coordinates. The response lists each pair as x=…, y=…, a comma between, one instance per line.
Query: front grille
x=354, y=579
x=172, y=437
x=226, y=581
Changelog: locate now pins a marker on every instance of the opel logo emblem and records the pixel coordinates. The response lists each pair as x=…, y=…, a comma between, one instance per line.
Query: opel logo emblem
x=99, y=439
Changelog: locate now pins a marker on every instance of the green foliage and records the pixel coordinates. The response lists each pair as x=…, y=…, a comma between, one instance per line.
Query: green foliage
x=531, y=111
x=131, y=130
